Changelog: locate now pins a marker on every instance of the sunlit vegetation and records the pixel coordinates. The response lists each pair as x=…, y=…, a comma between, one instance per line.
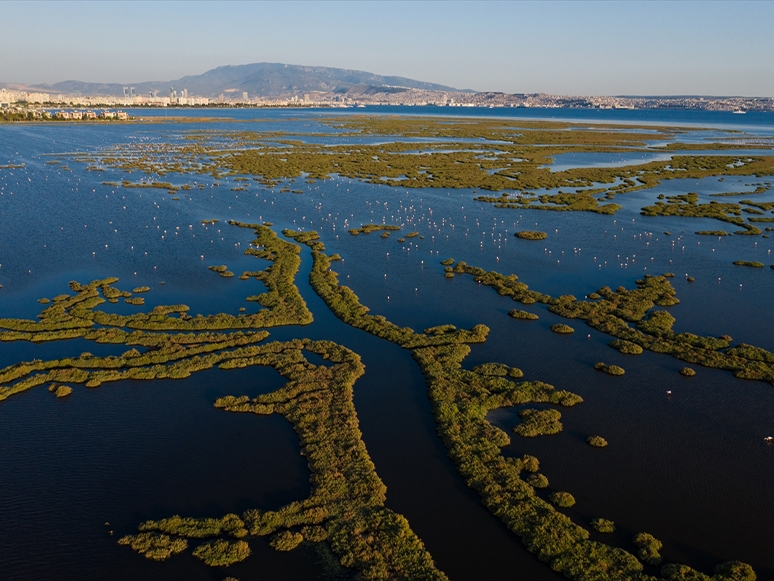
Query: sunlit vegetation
x=481, y=154
x=346, y=503
x=539, y=422
x=562, y=499
x=154, y=546
x=688, y=372
x=531, y=235
x=626, y=347
x=580, y=201
x=629, y=315
x=596, y=441
x=221, y=553
x=286, y=541
x=752, y=263
x=368, y=228
x=60, y=390
x=75, y=316
x=687, y=205
x=648, y=548
x=602, y=525
x=731, y=571
x=345, y=304
x=447, y=261
x=562, y=329
x=168, y=355
x=492, y=369
x=538, y=481
x=525, y=315
x=609, y=369
x=141, y=289
x=156, y=185
x=198, y=528
x=759, y=189
x=461, y=400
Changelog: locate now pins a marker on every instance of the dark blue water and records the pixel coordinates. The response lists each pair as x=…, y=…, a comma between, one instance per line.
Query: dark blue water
x=691, y=468
x=680, y=117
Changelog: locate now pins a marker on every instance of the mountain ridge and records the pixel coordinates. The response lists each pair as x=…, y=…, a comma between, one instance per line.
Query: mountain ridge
x=257, y=79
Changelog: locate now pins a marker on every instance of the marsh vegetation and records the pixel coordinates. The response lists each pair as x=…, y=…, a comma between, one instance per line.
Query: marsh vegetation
x=630, y=316
x=460, y=401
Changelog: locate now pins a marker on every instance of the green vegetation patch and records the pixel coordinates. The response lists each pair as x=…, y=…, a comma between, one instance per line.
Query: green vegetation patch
x=752, y=263
x=60, y=390
x=648, y=548
x=628, y=314
x=602, y=525
x=346, y=502
x=539, y=423
x=596, y=441
x=609, y=369
x=461, y=400
x=531, y=235
x=626, y=347
x=686, y=205
x=538, y=481
x=524, y=315
x=154, y=546
x=221, y=553
x=286, y=541
x=562, y=329
x=562, y=499
x=368, y=228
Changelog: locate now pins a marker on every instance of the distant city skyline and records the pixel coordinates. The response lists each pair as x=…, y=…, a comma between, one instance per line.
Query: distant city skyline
x=573, y=47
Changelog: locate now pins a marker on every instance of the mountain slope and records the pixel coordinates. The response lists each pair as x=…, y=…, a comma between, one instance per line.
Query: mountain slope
x=257, y=79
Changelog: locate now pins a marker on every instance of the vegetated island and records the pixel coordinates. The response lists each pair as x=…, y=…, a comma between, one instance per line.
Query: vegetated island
x=531, y=235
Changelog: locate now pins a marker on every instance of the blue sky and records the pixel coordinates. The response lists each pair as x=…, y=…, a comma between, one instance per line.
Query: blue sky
x=572, y=47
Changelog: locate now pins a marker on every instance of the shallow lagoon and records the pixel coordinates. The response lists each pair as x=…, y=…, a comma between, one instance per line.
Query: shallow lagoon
x=660, y=474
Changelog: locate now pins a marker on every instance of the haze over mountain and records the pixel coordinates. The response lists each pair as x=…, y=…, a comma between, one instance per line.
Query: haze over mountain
x=257, y=79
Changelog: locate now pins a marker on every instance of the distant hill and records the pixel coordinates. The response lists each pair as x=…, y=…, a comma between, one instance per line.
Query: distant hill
x=258, y=79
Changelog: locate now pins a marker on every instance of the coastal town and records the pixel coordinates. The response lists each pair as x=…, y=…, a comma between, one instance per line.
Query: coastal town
x=41, y=103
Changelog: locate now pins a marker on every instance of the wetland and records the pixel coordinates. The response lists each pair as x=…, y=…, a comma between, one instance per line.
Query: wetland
x=339, y=405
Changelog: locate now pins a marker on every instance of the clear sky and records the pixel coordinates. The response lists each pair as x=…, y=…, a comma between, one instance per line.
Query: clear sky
x=573, y=47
